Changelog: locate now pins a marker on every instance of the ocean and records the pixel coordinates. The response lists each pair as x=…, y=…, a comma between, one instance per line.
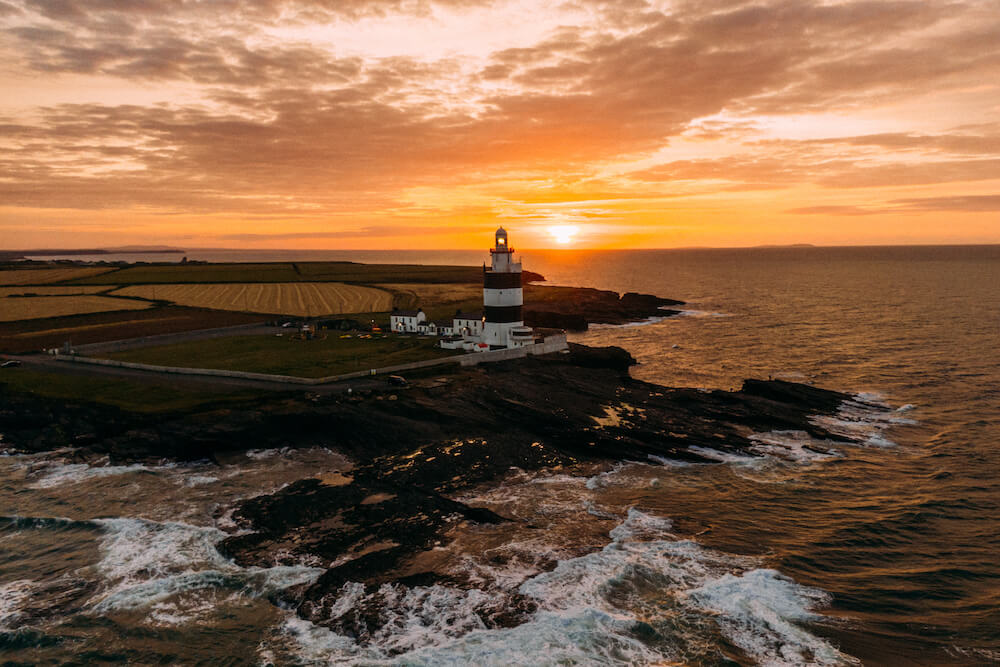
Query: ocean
x=881, y=553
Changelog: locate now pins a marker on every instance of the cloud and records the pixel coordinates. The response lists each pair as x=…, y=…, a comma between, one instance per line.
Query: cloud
x=965, y=204
x=371, y=231
x=954, y=204
x=832, y=210
x=275, y=117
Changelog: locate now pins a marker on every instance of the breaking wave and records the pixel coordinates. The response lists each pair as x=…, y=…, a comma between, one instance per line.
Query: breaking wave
x=57, y=474
x=645, y=598
x=150, y=565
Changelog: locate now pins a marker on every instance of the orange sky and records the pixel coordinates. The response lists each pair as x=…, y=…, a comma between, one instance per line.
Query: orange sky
x=422, y=123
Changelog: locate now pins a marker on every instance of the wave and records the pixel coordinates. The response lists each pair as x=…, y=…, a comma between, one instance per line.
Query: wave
x=628, y=325
x=57, y=474
x=13, y=595
x=794, y=446
x=865, y=419
x=644, y=598
x=703, y=313
x=144, y=564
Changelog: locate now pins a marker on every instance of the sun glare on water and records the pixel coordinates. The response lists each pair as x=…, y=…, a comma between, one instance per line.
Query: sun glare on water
x=563, y=234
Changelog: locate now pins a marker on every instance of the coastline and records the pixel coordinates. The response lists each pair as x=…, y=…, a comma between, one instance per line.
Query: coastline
x=414, y=450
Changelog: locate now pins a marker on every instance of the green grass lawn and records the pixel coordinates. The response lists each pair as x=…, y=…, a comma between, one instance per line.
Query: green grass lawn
x=126, y=394
x=285, y=356
x=280, y=272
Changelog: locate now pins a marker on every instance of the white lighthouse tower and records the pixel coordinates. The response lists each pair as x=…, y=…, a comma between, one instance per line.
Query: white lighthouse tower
x=503, y=299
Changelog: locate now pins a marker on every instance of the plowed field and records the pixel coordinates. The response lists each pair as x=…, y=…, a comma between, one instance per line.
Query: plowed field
x=34, y=307
x=43, y=276
x=301, y=299
x=52, y=290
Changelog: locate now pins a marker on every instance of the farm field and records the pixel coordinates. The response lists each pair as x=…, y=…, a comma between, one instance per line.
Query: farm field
x=301, y=299
x=52, y=290
x=287, y=356
x=31, y=335
x=45, y=276
x=35, y=307
x=148, y=397
x=282, y=272
x=437, y=299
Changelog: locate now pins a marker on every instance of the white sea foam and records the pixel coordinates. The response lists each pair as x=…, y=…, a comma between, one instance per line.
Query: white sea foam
x=198, y=480
x=795, y=446
x=590, y=609
x=865, y=419
x=758, y=611
x=258, y=454
x=726, y=457
x=602, y=479
x=57, y=473
x=145, y=564
x=629, y=325
x=556, y=479
x=593, y=510
x=673, y=463
x=13, y=595
x=703, y=313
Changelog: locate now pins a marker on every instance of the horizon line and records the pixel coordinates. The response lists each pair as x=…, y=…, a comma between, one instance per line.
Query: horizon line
x=165, y=249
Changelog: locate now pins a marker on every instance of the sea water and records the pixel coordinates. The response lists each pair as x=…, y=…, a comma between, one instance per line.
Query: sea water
x=880, y=552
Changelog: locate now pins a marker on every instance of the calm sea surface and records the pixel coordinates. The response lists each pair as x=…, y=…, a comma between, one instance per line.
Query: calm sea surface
x=886, y=553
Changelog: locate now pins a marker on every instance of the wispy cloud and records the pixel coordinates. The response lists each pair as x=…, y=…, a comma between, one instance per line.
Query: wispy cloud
x=276, y=107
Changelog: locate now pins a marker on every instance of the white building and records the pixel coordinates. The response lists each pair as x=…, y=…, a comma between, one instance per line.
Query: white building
x=406, y=321
x=468, y=324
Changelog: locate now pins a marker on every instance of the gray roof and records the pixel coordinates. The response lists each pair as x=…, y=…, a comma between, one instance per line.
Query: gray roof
x=471, y=315
x=406, y=313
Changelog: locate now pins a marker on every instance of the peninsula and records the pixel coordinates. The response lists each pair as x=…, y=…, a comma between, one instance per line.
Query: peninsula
x=412, y=448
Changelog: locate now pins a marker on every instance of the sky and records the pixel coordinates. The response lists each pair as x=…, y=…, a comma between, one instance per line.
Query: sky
x=426, y=123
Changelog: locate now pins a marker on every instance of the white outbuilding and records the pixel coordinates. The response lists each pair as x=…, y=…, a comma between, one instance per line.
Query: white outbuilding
x=406, y=321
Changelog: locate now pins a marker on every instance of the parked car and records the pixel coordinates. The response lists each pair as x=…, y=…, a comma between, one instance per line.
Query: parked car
x=10, y=363
x=397, y=380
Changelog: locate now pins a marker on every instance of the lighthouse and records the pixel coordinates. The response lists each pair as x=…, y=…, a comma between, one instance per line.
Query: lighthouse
x=503, y=299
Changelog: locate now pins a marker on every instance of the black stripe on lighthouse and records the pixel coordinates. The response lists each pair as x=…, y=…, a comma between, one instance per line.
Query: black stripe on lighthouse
x=503, y=314
x=502, y=280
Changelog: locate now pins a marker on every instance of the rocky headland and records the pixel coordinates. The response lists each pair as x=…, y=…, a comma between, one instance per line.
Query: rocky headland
x=575, y=308
x=415, y=449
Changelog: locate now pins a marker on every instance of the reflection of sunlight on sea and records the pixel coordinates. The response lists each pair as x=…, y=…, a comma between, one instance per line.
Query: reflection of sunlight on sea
x=902, y=537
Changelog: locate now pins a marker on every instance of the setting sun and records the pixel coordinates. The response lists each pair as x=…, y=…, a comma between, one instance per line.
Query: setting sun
x=563, y=234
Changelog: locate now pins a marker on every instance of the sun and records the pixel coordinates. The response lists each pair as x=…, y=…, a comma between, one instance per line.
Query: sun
x=563, y=234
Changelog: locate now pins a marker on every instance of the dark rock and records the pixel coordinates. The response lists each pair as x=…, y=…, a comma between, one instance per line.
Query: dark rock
x=611, y=357
x=553, y=320
x=573, y=307
x=413, y=453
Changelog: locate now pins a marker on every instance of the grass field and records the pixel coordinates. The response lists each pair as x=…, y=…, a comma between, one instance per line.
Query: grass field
x=35, y=307
x=33, y=335
x=282, y=272
x=302, y=299
x=125, y=394
x=45, y=276
x=52, y=290
x=285, y=356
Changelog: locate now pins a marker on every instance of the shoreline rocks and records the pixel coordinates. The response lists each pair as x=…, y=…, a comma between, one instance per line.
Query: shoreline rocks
x=414, y=449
